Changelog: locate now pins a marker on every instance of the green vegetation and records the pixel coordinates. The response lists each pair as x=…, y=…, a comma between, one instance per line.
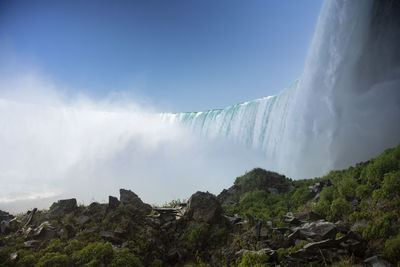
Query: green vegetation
x=366, y=195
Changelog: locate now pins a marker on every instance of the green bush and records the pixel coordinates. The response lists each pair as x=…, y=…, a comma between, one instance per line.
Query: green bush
x=347, y=188
x=94, y=254
x=392, y=249
x=125, y=258
x=54, y=259
x=340, y=209
x=253, y=260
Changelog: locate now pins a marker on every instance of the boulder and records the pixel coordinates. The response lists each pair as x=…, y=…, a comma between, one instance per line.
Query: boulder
x=63, y=206
x=9, y=226
x=128, y=198
x=204, y=207
x=45, y=231
x=95, y=208
x=317, y=187
x=375, y=261
x=30, y=216
x=5, y=216
x=290, y=219
x=113, y=202
x=81, y=220
x=307, y=215
x=31, y=243
x=321, y=229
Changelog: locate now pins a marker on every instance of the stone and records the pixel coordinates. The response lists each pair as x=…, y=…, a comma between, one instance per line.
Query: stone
x=14, y=256
x=31, y=243
x=81, y=220
x=127, y=197
x=95, y=208
x=113, y=202
x=45, y=231
x=5, y=216
x=30, y=216
x=307, y=215
x=290, y=219
x=204, y=207
x=317, y=187
x=322, y=229
x=9, y=226
x=109, y=236
x=63, y=206
x=375, y=261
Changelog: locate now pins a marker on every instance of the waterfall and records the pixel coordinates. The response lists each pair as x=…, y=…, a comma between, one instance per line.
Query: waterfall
x=344, y=108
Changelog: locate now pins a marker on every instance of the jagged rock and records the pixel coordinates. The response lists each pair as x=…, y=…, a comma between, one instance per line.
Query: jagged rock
x=5, y=216
x=95, y=208
x=320, y=230
x=30, y=216
x=81, y=220
x=289, y=218
x=9, y=226
x=270, y=182
x=342, y=227
x=204, y=207
x=63, y=206
x=45, y=231
x=234, y=219
x=113, y=202
x=109, y=236
x=307, y=215
x=173, y=256
x=14, y=256
x=127, y=197
x=31, y=243
x=317, y=187
x=375, y=261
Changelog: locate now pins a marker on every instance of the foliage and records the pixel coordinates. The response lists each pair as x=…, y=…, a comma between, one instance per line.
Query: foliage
x=253, y=259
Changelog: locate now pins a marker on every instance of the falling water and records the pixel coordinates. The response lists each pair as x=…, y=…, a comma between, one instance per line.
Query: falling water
x=345, y=107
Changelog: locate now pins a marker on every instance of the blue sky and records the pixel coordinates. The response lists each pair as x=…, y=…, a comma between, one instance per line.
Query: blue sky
x=178, y=55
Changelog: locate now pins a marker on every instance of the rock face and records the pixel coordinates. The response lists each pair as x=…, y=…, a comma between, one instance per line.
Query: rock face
x=270, y=182
x=63, y=206
x=5, y=216
x=127, y=197
x=113, y=202
x=204, y=207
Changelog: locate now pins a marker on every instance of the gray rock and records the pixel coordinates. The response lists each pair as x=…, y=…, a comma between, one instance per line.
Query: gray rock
x=127, y=197
x=45, y=231
x=14, y=256
x=9, y=226
x=63, y=206
x=82, y=220
x=322, y=229
x=204, y=207
x=113, y=202
x=30, y=216
x=31, y=243
x=5, y=216
x=95, y=208
x=375, y=261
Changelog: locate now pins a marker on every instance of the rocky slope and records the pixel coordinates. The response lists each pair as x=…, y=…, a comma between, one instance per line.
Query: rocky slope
x=263, y=219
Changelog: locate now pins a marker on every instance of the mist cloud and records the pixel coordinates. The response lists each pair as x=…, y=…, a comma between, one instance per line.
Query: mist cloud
x=54, y=146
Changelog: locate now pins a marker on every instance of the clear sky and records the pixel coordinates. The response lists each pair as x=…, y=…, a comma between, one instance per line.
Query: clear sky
x=179, y=55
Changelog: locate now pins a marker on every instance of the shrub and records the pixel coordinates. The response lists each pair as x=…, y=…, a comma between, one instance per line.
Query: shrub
x=54, y=259
x=125, y=258
x=339, y=209
x=94, y=253
x=347, y=188
x=392, y=249
x=253, y=260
